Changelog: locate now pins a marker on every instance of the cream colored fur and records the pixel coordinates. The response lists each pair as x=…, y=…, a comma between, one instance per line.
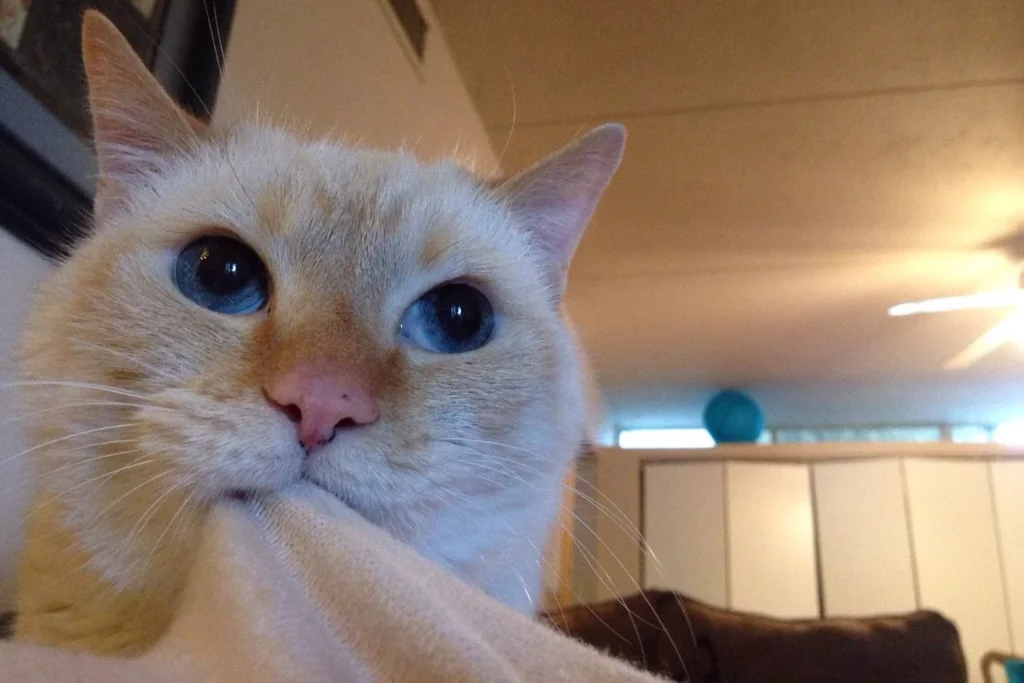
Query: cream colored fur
x=147, y=407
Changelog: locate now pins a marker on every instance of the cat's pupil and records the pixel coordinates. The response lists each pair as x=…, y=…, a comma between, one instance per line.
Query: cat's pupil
x=221, y=271
x=459, y=311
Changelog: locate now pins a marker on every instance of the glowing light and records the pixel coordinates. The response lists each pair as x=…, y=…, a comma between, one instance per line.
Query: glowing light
x=1005, y=299
x=1009, y=433
x=665, y=438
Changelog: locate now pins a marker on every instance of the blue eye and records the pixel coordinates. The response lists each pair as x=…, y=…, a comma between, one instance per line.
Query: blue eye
x=452, y=318
x=223, y=275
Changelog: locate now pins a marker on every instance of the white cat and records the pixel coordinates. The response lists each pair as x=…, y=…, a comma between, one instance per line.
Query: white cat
x=252, y=309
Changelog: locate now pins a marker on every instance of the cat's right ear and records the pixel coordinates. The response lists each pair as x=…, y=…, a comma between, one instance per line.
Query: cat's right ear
x=553, y=199
x=136, y=125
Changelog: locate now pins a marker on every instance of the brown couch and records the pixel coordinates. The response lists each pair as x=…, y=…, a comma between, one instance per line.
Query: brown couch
x=653, y=630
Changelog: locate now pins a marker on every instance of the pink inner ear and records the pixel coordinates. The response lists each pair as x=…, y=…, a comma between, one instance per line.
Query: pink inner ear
x=555, y=199
x=135, y=122
x=125, y=150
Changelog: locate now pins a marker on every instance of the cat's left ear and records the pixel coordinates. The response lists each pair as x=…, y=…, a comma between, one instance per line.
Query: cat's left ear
x=136, y=124
x=554, y=199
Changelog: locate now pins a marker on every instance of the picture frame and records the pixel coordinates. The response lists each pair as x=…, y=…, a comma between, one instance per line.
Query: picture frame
x=47, y=168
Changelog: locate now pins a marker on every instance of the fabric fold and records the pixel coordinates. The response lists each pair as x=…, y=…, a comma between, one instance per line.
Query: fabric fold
x=297, y=587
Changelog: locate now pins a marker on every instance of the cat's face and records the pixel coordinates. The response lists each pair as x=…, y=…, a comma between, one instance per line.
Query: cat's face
x=349, y=241
x=418, y=304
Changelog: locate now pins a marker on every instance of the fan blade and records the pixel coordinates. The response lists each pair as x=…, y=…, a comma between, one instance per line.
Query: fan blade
x=1013, y=297
x=996, y=336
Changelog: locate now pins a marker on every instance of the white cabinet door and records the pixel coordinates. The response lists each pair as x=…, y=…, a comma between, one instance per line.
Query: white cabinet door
x=1008, y=488
x=863, y=538
x=771, y=540
x=684, y=526
x=954, y=536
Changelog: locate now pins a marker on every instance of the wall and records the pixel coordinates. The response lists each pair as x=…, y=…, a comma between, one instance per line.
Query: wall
x=342, y=67
x=21, y=270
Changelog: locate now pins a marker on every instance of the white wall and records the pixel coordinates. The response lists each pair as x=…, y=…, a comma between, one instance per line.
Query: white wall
x=342, y=66
x=21, y=270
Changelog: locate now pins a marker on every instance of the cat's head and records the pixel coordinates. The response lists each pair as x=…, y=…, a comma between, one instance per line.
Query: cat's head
x=271, y=308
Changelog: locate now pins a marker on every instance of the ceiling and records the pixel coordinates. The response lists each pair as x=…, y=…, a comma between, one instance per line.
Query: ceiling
x=792, y=170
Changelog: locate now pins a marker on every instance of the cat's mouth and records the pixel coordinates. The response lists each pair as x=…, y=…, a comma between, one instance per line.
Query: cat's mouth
x=336, y=494
x=245, y=496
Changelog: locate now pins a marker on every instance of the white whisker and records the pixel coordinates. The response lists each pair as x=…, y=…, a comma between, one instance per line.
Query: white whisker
x=83, y=404
x=605, y=579
x=119, y=354
x=151, y=511
x=75, y=385
x=110, y=506
x=592, y=531
x=86, y=461
x=512, y=127
x=66, y=438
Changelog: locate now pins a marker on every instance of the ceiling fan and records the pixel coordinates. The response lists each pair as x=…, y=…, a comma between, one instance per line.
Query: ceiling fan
x=1010, y=298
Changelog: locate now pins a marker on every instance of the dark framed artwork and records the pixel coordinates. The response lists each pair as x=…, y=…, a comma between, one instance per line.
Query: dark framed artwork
x=46, y=166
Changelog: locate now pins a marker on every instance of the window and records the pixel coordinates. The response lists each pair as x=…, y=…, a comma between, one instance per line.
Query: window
x=970, y=434
x=665, y=438
x=925, y=434
x=1009, y=433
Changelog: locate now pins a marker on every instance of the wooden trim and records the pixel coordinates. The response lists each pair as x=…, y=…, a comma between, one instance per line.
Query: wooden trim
x=641, y=525
x=565, y=551
x=560, y=544
x=821, y=452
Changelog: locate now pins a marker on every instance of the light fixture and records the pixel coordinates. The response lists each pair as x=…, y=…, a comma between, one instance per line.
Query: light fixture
x=999, y=299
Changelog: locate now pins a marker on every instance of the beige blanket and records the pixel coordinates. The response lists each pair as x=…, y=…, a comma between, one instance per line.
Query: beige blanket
x=296, y=587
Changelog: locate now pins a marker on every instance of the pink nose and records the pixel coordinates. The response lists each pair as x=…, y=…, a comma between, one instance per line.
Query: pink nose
x=321, y=401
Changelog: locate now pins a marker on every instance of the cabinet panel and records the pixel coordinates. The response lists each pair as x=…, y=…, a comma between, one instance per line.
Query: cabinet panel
x=684, y=520
x=771, y=540
x=863, y=538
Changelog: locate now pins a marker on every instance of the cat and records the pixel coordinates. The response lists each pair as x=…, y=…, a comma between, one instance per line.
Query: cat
x=251, y=309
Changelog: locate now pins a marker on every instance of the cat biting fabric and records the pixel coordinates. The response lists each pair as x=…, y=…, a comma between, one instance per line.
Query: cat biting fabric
x=253, y=309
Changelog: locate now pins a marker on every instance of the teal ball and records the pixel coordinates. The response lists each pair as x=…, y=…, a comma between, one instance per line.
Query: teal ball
x=733, y=417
